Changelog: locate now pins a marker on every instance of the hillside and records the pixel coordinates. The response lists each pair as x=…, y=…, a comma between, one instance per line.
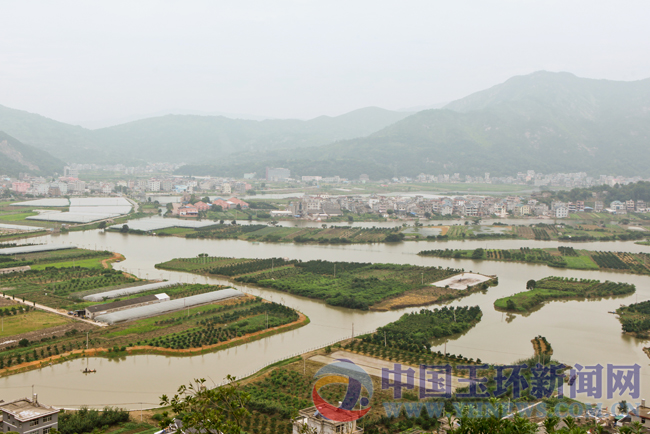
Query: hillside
x=189, y=138
x=193, y=138
x=16, y=157
x=549, y=122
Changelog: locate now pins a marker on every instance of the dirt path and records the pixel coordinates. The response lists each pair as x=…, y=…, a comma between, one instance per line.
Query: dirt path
x=56, y=311
x=116, y=257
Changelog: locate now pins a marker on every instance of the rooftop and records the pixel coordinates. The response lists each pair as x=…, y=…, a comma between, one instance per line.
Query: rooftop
x=25, y=409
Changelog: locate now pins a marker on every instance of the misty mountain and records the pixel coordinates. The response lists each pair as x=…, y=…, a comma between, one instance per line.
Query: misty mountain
x=187, y=138
x=94, y=124
x=16, y=157
x=191, y=138
x=549, y=122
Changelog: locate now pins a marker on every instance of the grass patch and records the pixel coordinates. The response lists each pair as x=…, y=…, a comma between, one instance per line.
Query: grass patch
x=31, y=321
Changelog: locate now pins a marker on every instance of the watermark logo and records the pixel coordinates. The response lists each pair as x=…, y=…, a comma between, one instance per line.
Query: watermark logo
x=344, y=372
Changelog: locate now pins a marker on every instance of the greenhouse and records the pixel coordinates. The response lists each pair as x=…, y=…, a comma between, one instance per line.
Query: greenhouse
x=167, y=306
x=129, y=290
x=32, y=249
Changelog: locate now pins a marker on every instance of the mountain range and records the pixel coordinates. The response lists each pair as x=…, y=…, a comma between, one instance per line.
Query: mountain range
x=187, y=138
x=549, y=122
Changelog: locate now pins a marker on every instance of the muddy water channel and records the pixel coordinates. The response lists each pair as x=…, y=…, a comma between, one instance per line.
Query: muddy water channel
x=580, y=332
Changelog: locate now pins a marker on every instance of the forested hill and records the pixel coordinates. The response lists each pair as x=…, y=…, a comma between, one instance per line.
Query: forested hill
x=187, y=138
x=16, y=157
x=549, y=122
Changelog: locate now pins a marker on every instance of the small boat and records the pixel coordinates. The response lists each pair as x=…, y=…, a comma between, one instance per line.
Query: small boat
x=89, y=371
x=572, y=379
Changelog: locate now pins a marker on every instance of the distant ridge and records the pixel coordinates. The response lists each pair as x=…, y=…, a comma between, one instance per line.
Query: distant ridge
x=187, y=138
x=549, y=122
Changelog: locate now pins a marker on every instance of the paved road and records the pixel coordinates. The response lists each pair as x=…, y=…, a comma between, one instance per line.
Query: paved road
x=56, y=311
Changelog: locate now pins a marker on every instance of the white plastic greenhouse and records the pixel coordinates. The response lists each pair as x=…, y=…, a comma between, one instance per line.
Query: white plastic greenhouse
x=33, y=249
x=129, y=290
x=167, y=306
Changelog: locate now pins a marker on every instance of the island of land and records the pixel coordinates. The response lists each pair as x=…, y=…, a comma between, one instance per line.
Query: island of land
x=560, y=288
x=349, y=284
x=561, y=257
x=70, y=303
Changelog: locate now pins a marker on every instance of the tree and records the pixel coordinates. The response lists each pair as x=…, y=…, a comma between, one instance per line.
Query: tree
x=205, y=199
x=204, y=411
x=622, y=406
x=531, y=284
x=510, y=305
x=125, y=229
x=234, y=222
x=102, y=225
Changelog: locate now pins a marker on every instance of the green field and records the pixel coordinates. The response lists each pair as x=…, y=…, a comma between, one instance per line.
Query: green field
x=30, y=321
x=59, y=282
x=558, y=288
x=348, y=284
x=561, y=257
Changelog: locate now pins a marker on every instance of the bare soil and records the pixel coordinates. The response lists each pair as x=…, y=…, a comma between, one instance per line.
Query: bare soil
x=413, y=298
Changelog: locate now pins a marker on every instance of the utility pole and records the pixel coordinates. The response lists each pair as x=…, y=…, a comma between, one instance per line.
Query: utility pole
x=87, y=340
x=445, y=349
x=352, y=330
x=271, y=265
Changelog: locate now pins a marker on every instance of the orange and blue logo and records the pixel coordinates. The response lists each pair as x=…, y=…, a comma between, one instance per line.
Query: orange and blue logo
x=344, y=372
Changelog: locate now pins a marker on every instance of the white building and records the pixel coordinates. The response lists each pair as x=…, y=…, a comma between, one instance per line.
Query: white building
x=561, y=212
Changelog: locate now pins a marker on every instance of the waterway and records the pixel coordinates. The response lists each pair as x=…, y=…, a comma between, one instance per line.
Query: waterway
x=580, y=332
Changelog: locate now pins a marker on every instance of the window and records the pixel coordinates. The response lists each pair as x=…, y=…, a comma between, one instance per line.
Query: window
x=46, y=430
x=47, y=418
x=33, y=422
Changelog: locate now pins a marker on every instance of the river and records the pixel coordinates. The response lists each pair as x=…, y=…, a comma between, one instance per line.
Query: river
x=580, y=332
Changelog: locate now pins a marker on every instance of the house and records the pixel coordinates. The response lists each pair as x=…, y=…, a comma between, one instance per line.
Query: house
x=28, y=416
x=222, y=203
x=640, y=414
x=599, y=206
x=188, y=211
x=202, y=206
x=241, y=203
x=310, y=420
x=561, y=212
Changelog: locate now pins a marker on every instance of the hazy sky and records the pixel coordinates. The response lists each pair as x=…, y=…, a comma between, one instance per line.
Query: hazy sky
x=89, y=60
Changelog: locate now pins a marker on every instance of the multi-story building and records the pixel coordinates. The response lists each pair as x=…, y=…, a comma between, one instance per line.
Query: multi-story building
x=28, y=416
x=277, y=174
x=561, y=212
x=599, y=206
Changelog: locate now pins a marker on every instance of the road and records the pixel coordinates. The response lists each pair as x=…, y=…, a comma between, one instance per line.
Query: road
x=56, y=311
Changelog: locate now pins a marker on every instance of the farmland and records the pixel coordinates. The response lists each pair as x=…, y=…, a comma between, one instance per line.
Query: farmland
x=561, y=257
x=34, y=335
x=347, y=284
x=558, y=288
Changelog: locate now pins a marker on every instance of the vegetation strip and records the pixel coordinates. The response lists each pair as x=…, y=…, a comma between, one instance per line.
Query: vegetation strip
x=561, y=257
x=558, y=288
